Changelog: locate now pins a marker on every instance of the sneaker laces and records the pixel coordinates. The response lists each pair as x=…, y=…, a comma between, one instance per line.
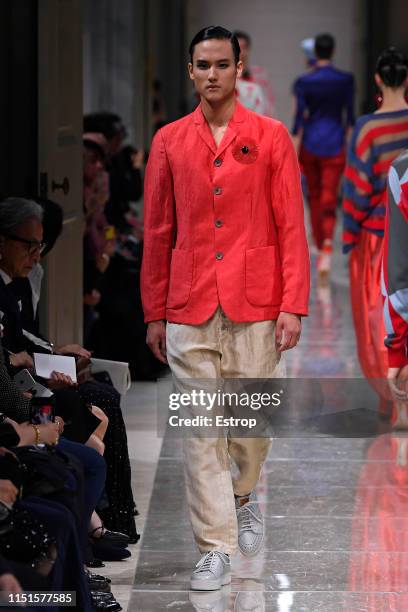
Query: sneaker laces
x=246, y=516
x=205, y=563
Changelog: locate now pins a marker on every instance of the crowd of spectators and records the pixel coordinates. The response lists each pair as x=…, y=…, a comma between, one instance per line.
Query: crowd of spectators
x=113, y=244
x=66, y=501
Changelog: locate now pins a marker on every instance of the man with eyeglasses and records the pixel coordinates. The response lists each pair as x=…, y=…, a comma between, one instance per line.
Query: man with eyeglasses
x=21, y=244
x=32, y=246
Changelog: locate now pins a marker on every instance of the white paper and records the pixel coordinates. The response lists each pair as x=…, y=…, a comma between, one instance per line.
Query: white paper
x=46, y=364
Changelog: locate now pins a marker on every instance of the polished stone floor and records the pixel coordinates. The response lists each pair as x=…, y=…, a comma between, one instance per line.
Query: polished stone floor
x=335, y=501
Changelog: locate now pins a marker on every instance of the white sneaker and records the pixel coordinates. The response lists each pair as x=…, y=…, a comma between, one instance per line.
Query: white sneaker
x=250, y=526
x=212, y=572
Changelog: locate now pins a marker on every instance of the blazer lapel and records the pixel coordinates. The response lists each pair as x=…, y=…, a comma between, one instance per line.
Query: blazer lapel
x=239, y=116
x=204, y=129
x=206, y=135
x=231, y=132
x=229, y=136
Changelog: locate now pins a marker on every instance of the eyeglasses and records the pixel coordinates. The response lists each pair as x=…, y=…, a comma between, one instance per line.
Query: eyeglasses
x=33, y=246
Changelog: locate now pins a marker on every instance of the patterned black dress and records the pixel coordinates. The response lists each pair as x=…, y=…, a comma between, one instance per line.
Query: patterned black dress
x=119, y=514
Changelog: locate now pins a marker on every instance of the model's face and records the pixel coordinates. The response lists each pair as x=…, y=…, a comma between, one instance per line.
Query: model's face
x=21, y=252
x=214, y=70
x=244, y=46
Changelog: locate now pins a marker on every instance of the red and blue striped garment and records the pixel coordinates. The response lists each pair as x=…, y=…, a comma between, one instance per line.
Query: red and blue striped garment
x=376, y=141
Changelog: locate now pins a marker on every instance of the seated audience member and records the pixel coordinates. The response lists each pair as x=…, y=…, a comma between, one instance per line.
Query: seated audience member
x=112, y=298
x=16, y=407
x=99, y=237
x=20, y=246
x=43, y=549
x=39, y=534
x=123, y=163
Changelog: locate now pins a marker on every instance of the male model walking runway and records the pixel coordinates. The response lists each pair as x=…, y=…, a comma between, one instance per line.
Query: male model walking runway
x=226, y=277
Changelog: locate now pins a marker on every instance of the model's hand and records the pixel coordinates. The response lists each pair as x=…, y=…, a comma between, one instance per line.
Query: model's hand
x=156, y=339
x=398, y=383
x=296, y=140
x=288, y=328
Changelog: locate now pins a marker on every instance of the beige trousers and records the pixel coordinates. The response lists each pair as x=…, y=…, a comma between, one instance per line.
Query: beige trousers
x=221, y=349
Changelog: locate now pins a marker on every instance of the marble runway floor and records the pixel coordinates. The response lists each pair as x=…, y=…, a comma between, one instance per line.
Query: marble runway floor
x=335, y=506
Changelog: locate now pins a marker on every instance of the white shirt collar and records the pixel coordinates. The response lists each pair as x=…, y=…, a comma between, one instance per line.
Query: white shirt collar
x=5, y=277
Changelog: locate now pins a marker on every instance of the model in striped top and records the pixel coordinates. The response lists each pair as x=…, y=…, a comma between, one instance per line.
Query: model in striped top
x=376, y=141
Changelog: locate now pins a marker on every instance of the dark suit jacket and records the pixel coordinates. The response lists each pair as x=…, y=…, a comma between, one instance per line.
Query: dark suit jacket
x=10, y=318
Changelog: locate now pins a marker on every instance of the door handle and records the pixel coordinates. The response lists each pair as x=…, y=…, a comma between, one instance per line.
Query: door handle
x=64, y=186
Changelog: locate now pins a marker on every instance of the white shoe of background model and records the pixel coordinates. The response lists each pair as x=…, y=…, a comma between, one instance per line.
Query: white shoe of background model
x=324, y=260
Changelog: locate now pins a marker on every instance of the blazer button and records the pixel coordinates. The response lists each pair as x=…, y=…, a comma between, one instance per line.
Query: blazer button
x=218, y=223
x=218, y=191
x=218, y=162
x=219, y=255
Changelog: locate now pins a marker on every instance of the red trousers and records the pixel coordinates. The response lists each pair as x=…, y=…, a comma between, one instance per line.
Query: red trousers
x=323, y=176
x=367, y=308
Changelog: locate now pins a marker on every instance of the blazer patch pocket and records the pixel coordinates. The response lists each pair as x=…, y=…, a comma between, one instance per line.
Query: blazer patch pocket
x=263, y=277
x=181, y=278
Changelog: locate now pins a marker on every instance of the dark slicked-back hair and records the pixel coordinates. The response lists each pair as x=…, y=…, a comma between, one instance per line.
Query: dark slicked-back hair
x=220, y=34
x=324, y=46
x=392, y=66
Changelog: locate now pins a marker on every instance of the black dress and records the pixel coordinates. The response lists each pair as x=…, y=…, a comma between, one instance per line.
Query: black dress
x=120, y=512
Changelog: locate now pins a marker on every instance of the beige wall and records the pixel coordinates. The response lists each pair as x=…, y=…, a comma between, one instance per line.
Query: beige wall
x=114, y=61
x=278, y=26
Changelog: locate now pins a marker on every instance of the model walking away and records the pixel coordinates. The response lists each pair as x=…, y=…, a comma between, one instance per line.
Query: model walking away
x=324, y=113
x=378, y=138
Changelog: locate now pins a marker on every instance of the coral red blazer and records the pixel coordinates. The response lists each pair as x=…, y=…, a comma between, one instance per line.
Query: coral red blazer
x=223, y=226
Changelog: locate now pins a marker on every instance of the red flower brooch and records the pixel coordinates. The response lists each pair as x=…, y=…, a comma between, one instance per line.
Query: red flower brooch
x=245, y=151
